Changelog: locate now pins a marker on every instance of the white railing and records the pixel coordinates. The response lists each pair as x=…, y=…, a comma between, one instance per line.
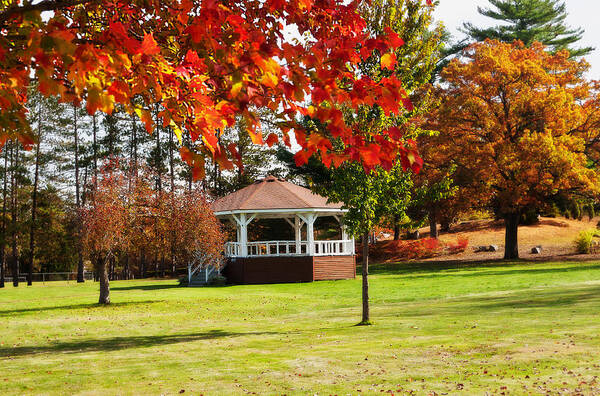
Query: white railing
x=334, y=248
x=290, y=248
x=233, y=249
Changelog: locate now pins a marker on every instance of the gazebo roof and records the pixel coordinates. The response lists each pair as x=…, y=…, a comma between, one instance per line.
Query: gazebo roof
x=272, y=193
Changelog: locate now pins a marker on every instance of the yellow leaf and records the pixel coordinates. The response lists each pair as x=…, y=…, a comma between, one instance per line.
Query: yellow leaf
x=269, y=79
x=236, y=88
x=178, y=132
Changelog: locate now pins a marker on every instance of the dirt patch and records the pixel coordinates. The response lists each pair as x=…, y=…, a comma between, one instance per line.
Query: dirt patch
x=555, y=235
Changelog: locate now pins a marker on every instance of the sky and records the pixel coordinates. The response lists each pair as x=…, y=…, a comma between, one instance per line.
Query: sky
x=582, y=13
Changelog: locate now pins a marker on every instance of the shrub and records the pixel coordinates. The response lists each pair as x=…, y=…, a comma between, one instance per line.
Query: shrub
x=458, y=247
x=567, y=214
x=584, y=241
x=576, y=211
x=591, y=212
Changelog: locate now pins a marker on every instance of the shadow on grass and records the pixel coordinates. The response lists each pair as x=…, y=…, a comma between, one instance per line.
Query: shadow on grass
x=146, y=287
x=518, y=301
x=17, y=312
x=438, y=269
x=119, y=343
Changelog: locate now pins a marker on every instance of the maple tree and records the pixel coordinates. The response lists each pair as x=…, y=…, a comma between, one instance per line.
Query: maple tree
x=105, y=222
x=204, y=63
x=124, y=216
x=523, y=124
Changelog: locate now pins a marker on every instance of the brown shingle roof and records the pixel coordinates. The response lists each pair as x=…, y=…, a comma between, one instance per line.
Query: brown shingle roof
x=272, y=193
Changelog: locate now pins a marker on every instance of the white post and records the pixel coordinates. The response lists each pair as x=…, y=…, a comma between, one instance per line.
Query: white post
x=243, y=235
x=310, y=233
x=298, y=234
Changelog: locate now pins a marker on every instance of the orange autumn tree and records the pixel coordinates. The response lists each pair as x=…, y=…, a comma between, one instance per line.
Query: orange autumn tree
x=204, y=62
x=523, y=123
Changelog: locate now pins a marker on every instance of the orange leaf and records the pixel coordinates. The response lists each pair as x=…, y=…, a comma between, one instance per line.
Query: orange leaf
x=388, y=61
x=149, y=45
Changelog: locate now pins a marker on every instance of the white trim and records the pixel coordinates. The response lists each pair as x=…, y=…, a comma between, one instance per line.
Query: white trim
x=290, y=211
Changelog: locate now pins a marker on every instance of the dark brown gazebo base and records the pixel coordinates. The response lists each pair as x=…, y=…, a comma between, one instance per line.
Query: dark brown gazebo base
x=269, y=269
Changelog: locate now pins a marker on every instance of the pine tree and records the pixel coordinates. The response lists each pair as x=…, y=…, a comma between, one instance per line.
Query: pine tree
x=529, y=21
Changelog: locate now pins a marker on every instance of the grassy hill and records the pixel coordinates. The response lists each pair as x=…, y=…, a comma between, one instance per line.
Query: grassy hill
x=438, y=328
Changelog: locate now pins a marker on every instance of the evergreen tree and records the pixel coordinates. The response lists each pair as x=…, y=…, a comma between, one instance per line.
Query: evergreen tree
x=529, y=21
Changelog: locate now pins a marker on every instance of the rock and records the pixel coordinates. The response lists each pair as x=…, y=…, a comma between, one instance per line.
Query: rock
x=536, y=250
x=490, y=248
x=414, y=235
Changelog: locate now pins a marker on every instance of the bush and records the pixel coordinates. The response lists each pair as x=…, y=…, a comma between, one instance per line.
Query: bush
x=552, y=212
x=458, y=247
x=591, y=212
x=416, y=250
x=567, y=214
x=530, y=217
x=585, y=241
x=576, y=211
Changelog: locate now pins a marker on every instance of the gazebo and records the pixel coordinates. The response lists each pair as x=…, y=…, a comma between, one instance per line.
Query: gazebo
x=303, y=259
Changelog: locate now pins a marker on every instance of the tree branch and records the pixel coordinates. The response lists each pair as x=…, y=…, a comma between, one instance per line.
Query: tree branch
x=47, y=5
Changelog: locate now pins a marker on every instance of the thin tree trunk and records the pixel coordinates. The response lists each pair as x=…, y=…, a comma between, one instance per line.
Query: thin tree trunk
x=365, y=280
x=104, y=281
x=95, y=149
x=34, y=210
x=3, y=241
x=126, y=267
x=445, y=225
x=433, y=230
x=396, y=228
x=77, y=200
x=171, y=160
x=511, y=242
x=142, y=264
x=15, y=201
x=134, y=148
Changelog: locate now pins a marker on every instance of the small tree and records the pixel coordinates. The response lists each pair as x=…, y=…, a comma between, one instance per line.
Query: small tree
x=105, y=222
x=368, y=196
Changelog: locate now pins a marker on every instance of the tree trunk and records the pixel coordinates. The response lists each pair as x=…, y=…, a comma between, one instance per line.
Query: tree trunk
x=433, y=230
x=95, y=150
x=445, y=225
x=104, y=282
x=77, y=200
x=171, y=160
x=3, y=241
x=134, y=147
x=511, y=243
x=365, y=280
x=14, y=211
x=34, y=210
x=126, y=267
x=396, y=228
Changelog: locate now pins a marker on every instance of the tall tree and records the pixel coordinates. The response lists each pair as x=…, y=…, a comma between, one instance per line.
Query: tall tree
x=14, y=212
x=34, y=197
x=520, y=122
x=529, y=21
x=4, y=229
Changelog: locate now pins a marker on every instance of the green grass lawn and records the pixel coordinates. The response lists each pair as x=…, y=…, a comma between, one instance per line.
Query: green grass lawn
x=518, y=329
